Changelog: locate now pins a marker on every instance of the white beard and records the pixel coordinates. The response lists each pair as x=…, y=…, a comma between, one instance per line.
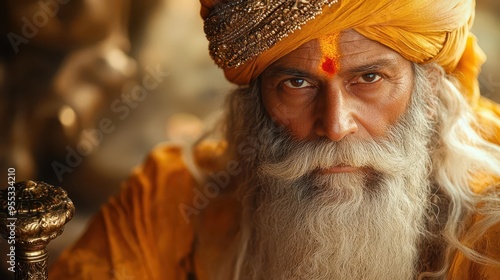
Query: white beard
x=299, y=224
x=364, y=236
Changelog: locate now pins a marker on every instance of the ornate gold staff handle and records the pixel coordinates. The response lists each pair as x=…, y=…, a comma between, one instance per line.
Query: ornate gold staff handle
x=37, y=216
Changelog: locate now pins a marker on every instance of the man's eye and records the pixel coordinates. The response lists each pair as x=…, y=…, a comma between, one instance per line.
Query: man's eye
x=368, y=78
x=296, y=83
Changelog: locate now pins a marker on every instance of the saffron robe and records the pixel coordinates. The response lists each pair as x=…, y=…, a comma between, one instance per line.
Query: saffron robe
x=166, y=224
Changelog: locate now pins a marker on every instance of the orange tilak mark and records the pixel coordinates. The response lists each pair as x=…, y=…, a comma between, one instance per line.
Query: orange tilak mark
x=329, y=50
x=329, y=66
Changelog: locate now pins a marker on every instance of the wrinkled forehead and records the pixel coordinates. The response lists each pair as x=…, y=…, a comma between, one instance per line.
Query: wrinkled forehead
x=331, y=52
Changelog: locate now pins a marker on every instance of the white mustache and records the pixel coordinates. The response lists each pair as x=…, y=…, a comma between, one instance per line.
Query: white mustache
x=305, y=157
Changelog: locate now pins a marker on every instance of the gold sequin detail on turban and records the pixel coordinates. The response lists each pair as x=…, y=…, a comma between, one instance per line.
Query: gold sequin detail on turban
x=241, y=30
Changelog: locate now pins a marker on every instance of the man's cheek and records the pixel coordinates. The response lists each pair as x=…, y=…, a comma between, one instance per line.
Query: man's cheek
x=282, y=114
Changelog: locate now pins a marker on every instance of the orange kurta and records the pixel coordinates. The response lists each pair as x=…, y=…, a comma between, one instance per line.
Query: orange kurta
x=143, y=234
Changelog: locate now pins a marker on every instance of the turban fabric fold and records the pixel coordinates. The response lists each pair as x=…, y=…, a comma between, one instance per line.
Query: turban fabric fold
x=422, y=31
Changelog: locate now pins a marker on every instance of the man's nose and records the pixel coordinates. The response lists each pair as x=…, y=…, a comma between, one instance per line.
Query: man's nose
x=336, y=116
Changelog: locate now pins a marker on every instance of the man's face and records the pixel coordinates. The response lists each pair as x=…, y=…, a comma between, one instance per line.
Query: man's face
x=335, y=86
x=345, y=196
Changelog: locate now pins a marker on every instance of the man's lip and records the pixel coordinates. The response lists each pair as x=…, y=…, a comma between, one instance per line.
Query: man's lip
x=340, y=169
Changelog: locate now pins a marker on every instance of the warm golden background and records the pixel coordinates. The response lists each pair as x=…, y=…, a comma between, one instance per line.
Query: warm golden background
x=70, y=67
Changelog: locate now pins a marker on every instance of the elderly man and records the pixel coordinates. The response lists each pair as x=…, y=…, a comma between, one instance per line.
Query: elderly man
x=356, y=147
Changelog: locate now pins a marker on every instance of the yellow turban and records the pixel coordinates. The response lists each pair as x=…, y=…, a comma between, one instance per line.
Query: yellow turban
x=422, y=31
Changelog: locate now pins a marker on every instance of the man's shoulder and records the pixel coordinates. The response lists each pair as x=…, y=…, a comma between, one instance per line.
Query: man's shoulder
x=194, y=187
x=177, y=157
x=162, y=168
x=173, y=167
x=144, y=228
x=191, y=178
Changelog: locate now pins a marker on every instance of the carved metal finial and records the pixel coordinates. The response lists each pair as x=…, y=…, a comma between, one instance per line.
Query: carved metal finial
x=39, y=214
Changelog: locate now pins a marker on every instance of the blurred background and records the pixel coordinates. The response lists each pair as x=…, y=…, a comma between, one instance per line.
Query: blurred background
x=88, y=87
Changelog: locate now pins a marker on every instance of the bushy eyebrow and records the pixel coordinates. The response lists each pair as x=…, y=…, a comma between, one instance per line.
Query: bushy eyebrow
x=288, y=71
x=372, y=66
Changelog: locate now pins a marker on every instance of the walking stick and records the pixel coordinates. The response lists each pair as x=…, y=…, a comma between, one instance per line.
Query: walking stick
x=31, y=215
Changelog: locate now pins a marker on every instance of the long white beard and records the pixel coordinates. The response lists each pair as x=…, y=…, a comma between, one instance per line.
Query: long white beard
x=364, y=236
x=300, y=224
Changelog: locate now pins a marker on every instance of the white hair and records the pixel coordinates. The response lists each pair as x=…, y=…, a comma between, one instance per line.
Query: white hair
x=459, y=155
